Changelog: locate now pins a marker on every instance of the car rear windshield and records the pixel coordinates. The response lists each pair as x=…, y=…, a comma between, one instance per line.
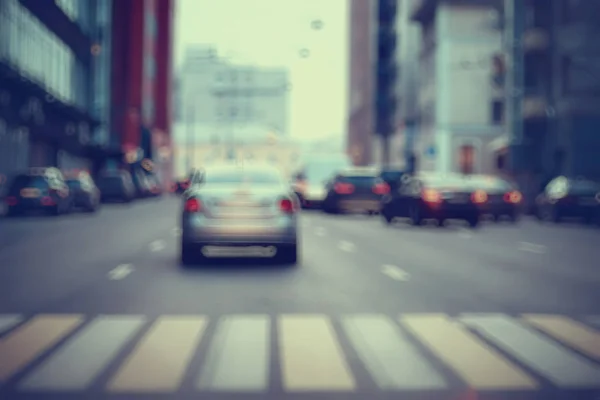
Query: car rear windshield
x=583, y=187
x=392, y=176
x=242, y=177
x=74, y=183
x=358, y=180
x=28, y=181
x=443, y=182
x=110, y=182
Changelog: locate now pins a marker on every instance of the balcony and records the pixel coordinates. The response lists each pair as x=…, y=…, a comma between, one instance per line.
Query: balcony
x=536, y=40
x=423, y=10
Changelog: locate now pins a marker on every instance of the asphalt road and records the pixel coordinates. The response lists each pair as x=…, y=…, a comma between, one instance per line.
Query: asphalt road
x=96, y=306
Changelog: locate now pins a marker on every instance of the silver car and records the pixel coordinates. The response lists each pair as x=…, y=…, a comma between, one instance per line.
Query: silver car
x=240, y=211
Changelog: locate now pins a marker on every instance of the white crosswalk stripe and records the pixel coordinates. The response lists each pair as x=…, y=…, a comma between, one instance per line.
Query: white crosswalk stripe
x=315, y=353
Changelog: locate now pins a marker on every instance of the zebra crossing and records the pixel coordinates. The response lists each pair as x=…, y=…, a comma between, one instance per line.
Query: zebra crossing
x=313, y=353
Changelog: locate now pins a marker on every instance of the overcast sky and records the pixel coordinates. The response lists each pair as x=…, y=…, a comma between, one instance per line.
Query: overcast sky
x=272, y=33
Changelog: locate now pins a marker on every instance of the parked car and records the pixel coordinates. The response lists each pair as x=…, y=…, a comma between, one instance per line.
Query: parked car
x=569, y=197
x=355, y=190
x=504, y=198
x=39, y=189
x=116, y=186
x=84, y=191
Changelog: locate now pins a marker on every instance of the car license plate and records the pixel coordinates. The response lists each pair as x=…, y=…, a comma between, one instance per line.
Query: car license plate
x=360, y=204
x=30, y=193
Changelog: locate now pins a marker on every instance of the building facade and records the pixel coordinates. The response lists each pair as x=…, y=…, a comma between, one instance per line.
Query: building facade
x=141, y=82
x=457, y=105
x=215, y=91
x=361, y=85
x=46, y=85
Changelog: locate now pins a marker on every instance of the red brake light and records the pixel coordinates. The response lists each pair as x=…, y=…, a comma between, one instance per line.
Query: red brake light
x=479, y=197
x=381, y=188
x=286, y=206
x=11, y=201
x=514, y=197
x=343, y=188
x=193, y=205
x=431, y=196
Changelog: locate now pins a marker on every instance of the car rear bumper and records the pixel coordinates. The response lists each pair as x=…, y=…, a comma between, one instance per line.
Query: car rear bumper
x=202, y=231
x=451, y=211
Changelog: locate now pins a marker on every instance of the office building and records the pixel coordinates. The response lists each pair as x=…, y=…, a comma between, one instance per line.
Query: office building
x=141, y=82
x=214, y=91
x=46, y=83
x=458, y=108
x=361, y=85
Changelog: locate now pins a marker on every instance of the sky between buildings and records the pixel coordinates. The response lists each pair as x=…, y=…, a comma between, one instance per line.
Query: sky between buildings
x=272, y=33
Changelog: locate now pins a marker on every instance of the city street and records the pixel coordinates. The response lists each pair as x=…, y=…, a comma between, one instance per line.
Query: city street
x=97, y=306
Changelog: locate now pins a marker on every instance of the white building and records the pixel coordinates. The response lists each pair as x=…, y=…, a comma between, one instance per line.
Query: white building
x=214, y=91
x=457, y=122
x=196, y=146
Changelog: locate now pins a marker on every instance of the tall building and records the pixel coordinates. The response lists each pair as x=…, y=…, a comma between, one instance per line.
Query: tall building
x=141, y=82
x=457, y=107
x=361, y=85
x=46, y=83
x=216, y=92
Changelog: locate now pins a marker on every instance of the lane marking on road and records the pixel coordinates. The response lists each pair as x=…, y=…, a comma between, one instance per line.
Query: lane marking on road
x=346, y=246
x=532, y=247
x=81, y=360
x=395, y=273
x=391, y=359
x=320, y=231
x=27, y=342
x=311, y=356
x=239, y=355
x=479, y=365
x=537, y=351
x=159, y=361
x=120, y=272
x=176, y=231
x=157, y=245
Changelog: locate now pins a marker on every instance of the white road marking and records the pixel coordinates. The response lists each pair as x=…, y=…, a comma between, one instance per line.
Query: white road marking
x=176, y=231
x=395, y=273
x=346, y=246
x=532, y=247
x=120, y=272
x=157, y=245
x=320, y=231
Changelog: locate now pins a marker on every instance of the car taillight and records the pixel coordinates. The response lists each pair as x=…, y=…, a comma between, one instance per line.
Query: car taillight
x=479, y=197
x=514, y=197
x=431, y=196
x=193, y=206
x=286, y=206
x=11, y=201
x=343, y=188
x=381, y=188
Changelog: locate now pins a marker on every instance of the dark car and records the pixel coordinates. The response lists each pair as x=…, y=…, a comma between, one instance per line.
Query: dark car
x=180, y=186
x=40, y=189
x=504, y=199
x=84, y=191
x=355, y=190
x=141, y=184
x=566, y=197
x=437, y=197
x=116, y=186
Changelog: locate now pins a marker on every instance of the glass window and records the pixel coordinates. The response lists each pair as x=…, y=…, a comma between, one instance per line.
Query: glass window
x=241, y=176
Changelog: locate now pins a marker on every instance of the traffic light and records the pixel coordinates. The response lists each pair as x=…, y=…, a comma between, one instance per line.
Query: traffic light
x=387, y=71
